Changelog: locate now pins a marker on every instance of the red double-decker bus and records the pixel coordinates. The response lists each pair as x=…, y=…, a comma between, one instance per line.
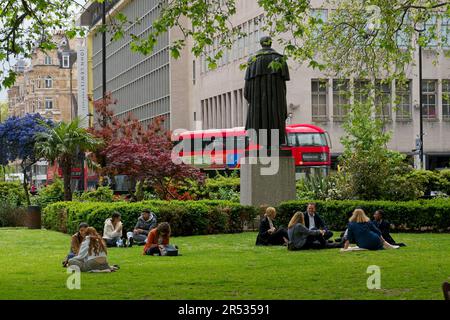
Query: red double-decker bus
x=221, y=149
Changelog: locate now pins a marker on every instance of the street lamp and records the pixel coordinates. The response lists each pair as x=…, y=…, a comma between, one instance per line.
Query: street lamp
x=419, y=29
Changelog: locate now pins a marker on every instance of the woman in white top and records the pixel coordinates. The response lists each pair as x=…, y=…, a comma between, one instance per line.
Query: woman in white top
x=112, y=231
x=92, y=254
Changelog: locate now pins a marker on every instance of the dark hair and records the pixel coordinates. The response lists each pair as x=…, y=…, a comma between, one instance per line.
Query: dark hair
x=164, y=227
x=312, y=204
x=380, y=211
x=115, y=215
x=146, y=211
x=83, y=225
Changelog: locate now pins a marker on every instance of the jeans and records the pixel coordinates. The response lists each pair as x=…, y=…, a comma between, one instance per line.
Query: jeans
x=111, y=242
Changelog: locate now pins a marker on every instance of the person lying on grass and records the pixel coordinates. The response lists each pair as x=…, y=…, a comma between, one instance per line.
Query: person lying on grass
x=75, y=242
x=302, y=238
x=93, y=254
x=364, y=233
x=157, y=240
x=268, y=233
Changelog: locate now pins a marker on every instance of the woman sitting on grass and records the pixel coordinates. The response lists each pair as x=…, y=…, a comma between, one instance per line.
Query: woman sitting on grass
x=92, y=255
x=157, y=240
x=76, y=241
x=301, y=238
x=268, y=234
x=362, y=232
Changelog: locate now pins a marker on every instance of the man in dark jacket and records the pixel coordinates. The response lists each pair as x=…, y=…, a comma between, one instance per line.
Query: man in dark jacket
x=314, y=222
x=384, y=226
x=146, y=222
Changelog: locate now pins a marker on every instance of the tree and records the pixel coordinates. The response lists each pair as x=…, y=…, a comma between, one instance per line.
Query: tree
x=62, y=143
x=18, y=138
x=147, y=158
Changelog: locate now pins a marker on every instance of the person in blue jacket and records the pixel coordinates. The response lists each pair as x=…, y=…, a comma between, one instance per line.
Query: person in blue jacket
x=364, y=233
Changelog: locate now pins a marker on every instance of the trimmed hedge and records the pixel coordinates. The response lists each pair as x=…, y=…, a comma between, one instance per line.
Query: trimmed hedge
x=410, y=216
x=186, y=217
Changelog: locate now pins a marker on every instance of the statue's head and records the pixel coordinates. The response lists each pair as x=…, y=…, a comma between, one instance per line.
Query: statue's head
x=266, y=42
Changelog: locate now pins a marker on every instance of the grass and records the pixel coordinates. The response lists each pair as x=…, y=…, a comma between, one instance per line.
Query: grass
x=225, y=267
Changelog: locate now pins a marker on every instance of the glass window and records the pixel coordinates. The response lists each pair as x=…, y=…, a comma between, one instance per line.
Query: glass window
x=361, y=91
x=319, y=98
x=307, y=140
x=65, y=61
x=341, y=99
x=48, y=103
x=446, y=99
x=47, y=60
x=383, y=99
x=403, y=97
x=445, y=32
x=429, y=97
x=403, y=39
x=48, y=82
x=431, y=31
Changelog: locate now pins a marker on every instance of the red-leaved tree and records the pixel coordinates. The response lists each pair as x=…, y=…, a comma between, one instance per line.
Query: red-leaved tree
x=144, y=155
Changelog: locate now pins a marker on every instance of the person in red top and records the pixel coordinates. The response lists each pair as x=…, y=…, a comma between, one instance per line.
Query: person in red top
x=157, y=239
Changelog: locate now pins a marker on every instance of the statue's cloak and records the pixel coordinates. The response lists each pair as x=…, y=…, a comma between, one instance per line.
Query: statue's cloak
x=265, y=91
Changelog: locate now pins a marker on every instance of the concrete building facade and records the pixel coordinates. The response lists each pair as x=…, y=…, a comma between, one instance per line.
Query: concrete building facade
x=147, y=86
x=315, y=98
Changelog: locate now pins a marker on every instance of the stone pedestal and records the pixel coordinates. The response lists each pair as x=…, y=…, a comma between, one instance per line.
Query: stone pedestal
x=261, y=184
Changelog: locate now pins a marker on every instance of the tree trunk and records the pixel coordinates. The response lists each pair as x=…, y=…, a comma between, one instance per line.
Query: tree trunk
x=25, y=186
x=67, y=172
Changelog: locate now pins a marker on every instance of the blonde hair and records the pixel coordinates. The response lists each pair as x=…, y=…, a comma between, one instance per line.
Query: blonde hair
x=298, y=217
x=359, y=216
x=270, y=212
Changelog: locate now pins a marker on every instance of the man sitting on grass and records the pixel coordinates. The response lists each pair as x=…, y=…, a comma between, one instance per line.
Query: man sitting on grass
x=314, y=222
x=146, y=222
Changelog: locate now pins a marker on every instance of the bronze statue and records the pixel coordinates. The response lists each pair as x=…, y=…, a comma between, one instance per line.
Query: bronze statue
x=265, y=91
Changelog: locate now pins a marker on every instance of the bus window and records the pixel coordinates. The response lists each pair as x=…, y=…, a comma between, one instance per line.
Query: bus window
x=311, y=140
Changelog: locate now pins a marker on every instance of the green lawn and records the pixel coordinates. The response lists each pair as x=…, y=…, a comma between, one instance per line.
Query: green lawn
x=225, y=267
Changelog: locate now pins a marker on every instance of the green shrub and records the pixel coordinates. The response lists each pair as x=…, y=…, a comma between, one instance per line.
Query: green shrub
x=185, y=217
x=101, y=194
x=12, y=191
x=412, y=216
x=50, y=194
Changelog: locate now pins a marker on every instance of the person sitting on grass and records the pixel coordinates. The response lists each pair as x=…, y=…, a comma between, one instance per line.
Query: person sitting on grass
x=384, y=226
x=146, y=222
x=157, y=240
x=76, y=241
x=301, y=238
x=112, y=231
x=363, y=232
x=268, y=233
x=313, y=221
x=92, y=256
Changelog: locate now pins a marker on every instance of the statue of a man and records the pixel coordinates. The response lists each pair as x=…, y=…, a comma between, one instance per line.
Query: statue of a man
x=265, y=91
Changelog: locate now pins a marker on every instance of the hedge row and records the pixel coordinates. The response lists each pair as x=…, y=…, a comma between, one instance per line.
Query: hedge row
x=186, y=217
x=411, y=216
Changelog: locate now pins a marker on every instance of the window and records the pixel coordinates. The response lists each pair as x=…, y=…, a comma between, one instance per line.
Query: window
x=403, y=39
x=320, y=17
x=403, y=100
x=446, y=99
x=307, y=140
x=429, y=97
x=431, y=31
x=47, y=60
x=48, y=103
x=65, y=61
x=383, y=99
x=48, y=82
x=445, y=32
x=319, y=99
x=361, y=91
x=341, y=99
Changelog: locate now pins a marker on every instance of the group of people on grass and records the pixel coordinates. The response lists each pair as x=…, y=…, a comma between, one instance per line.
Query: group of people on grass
x=309, y=231
x=88, y=250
